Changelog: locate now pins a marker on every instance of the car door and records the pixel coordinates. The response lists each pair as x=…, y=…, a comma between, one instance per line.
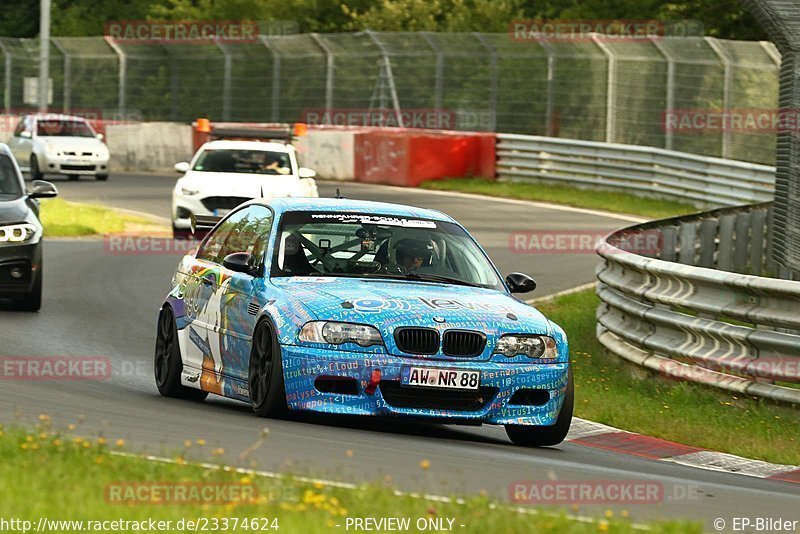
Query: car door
x=20, y=143
x=241, y=293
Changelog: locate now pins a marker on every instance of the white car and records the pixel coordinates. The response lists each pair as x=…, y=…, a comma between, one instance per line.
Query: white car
x=48, y=143
x=226, y=173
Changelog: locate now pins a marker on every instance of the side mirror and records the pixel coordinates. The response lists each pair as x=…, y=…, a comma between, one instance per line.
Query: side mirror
x=520, y=283
x=182, y=167
x=305, y=172
x=241, y=262
x=26, y=134
x=42, y=189
x=100, y=136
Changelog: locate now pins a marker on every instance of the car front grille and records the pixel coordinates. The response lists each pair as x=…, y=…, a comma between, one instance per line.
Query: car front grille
x=70, y=167
x=464, y=343
x=433, y=399
x=222, y=203
x=417, y=340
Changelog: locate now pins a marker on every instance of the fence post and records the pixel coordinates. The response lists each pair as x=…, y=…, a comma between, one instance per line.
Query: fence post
x=7, y=76
x=275, y=104
x=670, y=104
x=67, y=75
x=551, y=80
x=329, y=59
x=726, y=91
x=438, y=87
x=388, y=66
x=226, y=81
x=123, y=70
x=611, y=89
x=492, y=80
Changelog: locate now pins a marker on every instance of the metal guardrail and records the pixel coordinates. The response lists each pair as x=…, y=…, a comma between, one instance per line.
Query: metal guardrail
x=738, y=332
x=634, y=169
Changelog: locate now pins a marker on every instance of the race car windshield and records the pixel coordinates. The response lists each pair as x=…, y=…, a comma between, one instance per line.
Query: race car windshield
x=360, y=245
x=9, y=183
x=244, y=161
x=63, y=128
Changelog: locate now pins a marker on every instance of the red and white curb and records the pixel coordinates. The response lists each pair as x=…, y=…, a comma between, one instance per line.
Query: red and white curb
x=591, y=434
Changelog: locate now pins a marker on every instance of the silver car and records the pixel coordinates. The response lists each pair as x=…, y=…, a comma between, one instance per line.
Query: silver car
x=48, y=143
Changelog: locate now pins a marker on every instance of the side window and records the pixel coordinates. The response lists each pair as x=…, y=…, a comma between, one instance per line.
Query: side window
x=20, y=127
x=241, y=232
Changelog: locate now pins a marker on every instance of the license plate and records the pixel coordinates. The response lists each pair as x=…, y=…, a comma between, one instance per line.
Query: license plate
x=221, y=213
x=440, y=378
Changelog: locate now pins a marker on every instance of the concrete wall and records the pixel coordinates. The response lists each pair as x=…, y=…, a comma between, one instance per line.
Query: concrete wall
x=148, y=146
x=330, y=153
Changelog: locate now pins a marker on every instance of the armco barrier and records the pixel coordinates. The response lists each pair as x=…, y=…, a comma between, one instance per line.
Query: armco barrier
x=408, y=157
x=635, y=169
x=738, y=332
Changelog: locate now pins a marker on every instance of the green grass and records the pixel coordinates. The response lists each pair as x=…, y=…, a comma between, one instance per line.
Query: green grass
x=72, y=219
x=47, y=474
x=610, y=391
x=570, y=196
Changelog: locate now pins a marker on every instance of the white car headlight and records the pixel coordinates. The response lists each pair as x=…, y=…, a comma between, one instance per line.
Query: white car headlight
x=532, y=346
x=17, y=233
x=338, y=333
x=188, y=191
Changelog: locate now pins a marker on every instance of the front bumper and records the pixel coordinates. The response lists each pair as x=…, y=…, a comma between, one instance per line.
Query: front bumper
x=80, y=165
x=25, y=259
x=303, y=367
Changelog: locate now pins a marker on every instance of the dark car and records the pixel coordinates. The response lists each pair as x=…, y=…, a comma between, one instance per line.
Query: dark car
x=20, y=235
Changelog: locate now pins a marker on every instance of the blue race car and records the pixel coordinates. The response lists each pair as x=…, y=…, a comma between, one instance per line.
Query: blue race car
x=362, y=308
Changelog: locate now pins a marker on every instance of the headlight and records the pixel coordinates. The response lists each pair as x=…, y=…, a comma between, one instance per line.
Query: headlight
x=189, y=192
x=532, y=346
x=339, y=333
x=17, y=233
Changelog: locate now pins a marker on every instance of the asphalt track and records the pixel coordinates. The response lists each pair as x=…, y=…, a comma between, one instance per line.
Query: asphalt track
x=102, y=304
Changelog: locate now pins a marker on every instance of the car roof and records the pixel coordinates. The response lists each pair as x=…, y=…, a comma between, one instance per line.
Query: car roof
x=57, y=116
x=346, y=205
x=247, y=145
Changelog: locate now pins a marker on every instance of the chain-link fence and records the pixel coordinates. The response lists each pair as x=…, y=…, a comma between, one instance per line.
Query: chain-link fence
x=614, y=91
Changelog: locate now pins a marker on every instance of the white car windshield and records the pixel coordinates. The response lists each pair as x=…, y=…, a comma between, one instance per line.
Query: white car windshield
x=244, y=161
x=361, y=245
x=9, y=182
x=63, y=128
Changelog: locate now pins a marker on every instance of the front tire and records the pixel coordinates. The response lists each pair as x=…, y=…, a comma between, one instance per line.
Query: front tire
x=101, y=177
x=168, y=365
x=546, y=436
x=265, y=376
x=36, y=172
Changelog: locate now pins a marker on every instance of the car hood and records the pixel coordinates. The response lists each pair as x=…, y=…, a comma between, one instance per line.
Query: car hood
x=231, y=184
x=72, y=143
x=14, y=211
x=388, y=304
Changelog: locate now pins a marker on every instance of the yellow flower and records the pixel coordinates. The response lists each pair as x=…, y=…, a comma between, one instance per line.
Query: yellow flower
x=86, y=444
x=98, y=460
x=200, y=442
x=624, y=513
x=180, y=461
x=29, y=439
x=349, y=453
x=120, y=442
x=101, y=440
x=602, y=526
x=71, y=427
x=57, y=442
x=245, y=480
x=425, y=464
x=187, y=443
x=219, y=451
x=318, y=485
x=609, y=514
x=23, y=446
x=35, y=446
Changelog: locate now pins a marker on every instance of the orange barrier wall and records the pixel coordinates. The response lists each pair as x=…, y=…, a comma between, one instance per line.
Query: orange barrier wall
x=410, y=157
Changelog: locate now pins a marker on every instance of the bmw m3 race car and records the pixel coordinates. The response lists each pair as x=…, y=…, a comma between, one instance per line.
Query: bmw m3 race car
x=362, y=308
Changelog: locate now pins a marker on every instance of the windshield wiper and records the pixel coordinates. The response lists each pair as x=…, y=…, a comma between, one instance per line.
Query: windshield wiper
x=437, y=278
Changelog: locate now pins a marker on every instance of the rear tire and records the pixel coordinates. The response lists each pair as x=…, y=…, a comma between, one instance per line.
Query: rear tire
x=265, y=376
x=101, y=177
x=36, y=172
x=168, y=365
x=32, y=301
x=545, y=436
